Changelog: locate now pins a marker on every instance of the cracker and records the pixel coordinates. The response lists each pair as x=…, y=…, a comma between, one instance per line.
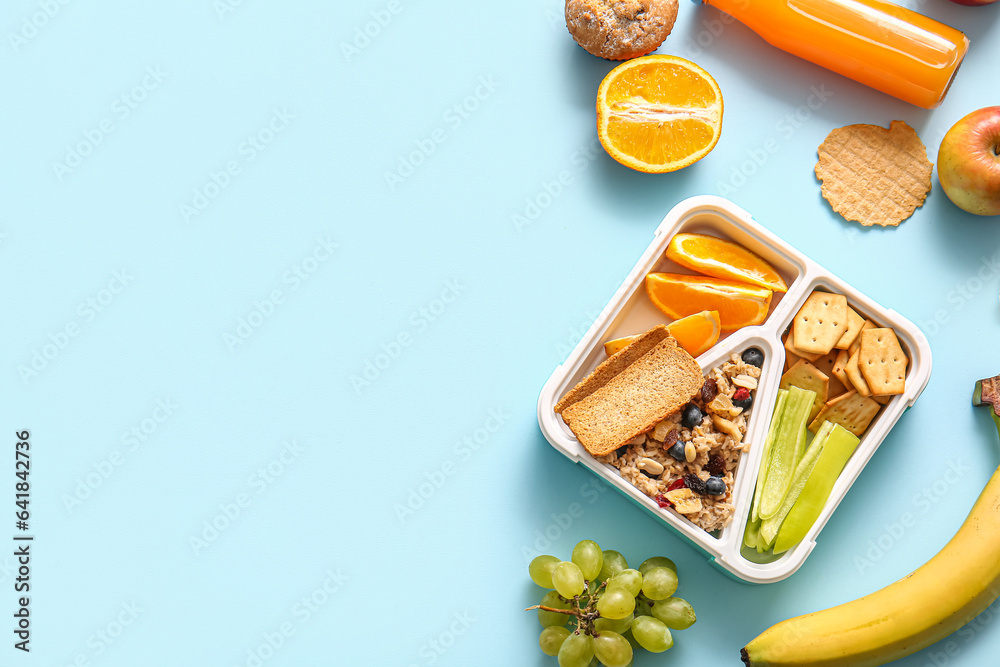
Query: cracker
x=873, y=175
x=795, y=352
x=839, y=367
x=806, y=376
x=820, y=322
x=825, y=365
x=857, y=341
x=851, y=410
x=631, y=392
x=854, y=324
x=882, y=362
x=854, y=373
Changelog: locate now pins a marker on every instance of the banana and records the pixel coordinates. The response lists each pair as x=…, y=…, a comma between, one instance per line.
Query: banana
x=929, y=604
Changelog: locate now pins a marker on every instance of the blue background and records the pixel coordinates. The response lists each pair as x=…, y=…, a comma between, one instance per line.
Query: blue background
x=234, y=340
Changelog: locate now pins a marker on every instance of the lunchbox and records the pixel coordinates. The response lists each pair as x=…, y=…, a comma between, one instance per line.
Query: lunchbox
x=630, y=311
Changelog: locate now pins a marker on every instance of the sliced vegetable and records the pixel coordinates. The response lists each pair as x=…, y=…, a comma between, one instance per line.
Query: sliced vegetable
x=769, y=528
x=779, y=409
x=837, y=449
x=781, y=460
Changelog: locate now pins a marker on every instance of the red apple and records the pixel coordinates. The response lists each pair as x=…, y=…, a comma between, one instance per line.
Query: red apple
x=969, y=162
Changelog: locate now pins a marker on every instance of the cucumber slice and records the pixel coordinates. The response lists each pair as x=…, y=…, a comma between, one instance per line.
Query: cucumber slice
x=781, y=459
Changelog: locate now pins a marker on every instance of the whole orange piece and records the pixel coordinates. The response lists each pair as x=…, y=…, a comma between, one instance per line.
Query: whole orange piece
x=659, y=113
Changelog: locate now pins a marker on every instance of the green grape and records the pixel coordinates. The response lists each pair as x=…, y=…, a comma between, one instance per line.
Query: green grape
x=657, y=561
x=568, y=579
x=619, y=625
x=576, y=651
x=659, y=583
x=616, y=603
x=652, y=634
x=614, y=563
x=589, y=558
x=676, y=613
x=540, y=570
x=552, y=639
x=630, y=580
x=551, y=618
x=612, y=649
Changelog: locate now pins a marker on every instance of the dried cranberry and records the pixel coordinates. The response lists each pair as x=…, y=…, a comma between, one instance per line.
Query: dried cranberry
x=662, y=501
x=709, y=390
x=677, y=484
x=694, y=483
x=716, y=465
x=742, y=398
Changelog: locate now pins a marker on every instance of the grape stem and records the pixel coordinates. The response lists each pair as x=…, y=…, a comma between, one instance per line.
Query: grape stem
x=571, y=612
x=585, y=616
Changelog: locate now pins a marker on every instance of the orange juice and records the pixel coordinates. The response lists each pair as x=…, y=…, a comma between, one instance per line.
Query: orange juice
x=882, y=45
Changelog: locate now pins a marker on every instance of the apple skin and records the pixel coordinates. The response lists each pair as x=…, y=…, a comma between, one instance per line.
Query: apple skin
x=969, y=162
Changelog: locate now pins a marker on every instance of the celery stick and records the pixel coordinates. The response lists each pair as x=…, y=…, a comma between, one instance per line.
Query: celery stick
x=750, y=534
x=779, y=410
x=769, y=528
x=837, y=449
x=781, y=459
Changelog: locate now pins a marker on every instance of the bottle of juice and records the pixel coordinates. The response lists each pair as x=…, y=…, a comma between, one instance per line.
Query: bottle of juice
x=882, y=45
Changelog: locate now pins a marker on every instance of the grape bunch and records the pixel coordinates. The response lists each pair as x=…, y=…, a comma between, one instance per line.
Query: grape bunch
x=612, y=606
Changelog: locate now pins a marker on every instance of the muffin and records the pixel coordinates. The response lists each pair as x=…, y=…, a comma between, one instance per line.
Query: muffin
x=620, y=29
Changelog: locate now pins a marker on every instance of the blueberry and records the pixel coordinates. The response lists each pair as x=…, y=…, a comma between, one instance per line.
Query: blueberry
x=677, y=451
x=743, y=398
x=714, y=486
x=691, y=416
x=754, y=357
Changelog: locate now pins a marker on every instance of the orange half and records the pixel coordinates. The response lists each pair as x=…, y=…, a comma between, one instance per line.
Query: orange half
x=659, y=113
x=738, y=304
x=720, y=258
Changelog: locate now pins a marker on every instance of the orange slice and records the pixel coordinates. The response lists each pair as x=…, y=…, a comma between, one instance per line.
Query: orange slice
x=738, y=304
x=695, y=333
x=658, y=113
x=720, y=258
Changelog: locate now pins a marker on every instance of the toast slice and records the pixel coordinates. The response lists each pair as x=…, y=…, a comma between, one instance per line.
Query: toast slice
x=630, y=392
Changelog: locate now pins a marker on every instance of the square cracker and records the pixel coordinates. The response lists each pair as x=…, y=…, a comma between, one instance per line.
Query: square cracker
x=857, y=341
x=820, y=322
x=797, y=353
x=854, y=324
x=882, y=362
x=806, y=376
x=854, y=373
x=839, y=367
x=825, y=365
x=851, y=410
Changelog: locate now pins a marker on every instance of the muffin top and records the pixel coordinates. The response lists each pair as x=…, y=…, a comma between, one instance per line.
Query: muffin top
x=620, y=29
